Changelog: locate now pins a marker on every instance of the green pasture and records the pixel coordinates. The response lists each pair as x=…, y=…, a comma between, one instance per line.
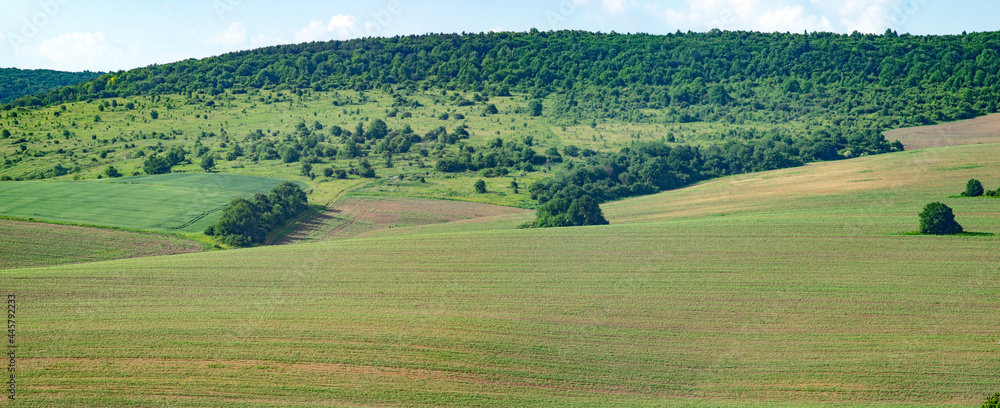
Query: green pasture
x=175, y=203
x=799, y=289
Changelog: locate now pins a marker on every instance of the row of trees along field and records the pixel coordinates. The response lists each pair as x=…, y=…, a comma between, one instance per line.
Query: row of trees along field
x=858, y=80
x=651, y=167
x=246, y=222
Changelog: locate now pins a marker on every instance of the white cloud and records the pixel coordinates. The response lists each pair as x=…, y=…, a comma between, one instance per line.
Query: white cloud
x=315, y=31
x=236, y=35
x=872, y=16
x=344, y=26
x=614, y=6
x=261, y=41
x=793, y=19
x=84, y=51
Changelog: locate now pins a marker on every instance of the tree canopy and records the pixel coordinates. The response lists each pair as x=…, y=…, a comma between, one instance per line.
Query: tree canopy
x=246, y=222
x=16, y=83
x=938, y=219
x=864, y=80
x=974, y=188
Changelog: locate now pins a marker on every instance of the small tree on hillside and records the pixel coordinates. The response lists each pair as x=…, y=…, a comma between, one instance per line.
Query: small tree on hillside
x=112, y=172
x=973, y=188
x=938, y=219
x=208, y=162
x=156, y=165
x=480, y=187
x=536, y=108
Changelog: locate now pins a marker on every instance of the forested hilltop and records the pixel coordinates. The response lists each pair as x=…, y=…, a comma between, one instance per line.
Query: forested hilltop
x=15, y=83
x=867, y=80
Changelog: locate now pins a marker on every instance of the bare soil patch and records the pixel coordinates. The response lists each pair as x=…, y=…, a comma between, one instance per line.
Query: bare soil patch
x=985, y=129
x=357, y=215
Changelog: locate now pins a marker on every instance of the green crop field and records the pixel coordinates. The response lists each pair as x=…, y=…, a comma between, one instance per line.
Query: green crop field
x=24, y=244
x=176, y=203
x=794, y=287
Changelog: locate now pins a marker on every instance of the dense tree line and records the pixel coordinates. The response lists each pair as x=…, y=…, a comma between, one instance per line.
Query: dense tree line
x=651, y=167
x=16, y=83
x=247, y=222
x=497, y=156
x=861, y=80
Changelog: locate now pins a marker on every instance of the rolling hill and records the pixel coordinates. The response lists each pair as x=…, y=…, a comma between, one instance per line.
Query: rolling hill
x=16, y=83
x=795, y=287
x=778, y=268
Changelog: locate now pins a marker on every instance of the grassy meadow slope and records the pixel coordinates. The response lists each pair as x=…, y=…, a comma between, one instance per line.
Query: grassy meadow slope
x=796, y=290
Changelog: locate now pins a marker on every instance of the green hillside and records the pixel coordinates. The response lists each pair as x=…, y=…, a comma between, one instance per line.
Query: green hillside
x=175, y=203
x=16, y=83
x=511, y=107
x=759, y=253
x=787, y=288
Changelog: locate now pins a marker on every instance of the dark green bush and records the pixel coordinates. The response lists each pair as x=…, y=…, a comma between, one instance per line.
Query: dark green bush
x=938, y=219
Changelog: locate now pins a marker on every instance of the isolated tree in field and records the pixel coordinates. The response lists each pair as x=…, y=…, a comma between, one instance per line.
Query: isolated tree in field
x=6, y=133
x=536, y=108
x=973, y=188
x=938, y=219
x=208, y=162
x=112, y=172
x=491, y=109
x=513, y=185
x=154, y=114
x=480, y=187
x=328, y=172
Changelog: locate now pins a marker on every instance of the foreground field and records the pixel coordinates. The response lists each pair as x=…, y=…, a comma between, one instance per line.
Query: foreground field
x=24, y=244
x=176, y=203
x=798, y=292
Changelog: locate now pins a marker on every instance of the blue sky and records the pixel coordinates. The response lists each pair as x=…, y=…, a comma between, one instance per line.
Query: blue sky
x=77, y=35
